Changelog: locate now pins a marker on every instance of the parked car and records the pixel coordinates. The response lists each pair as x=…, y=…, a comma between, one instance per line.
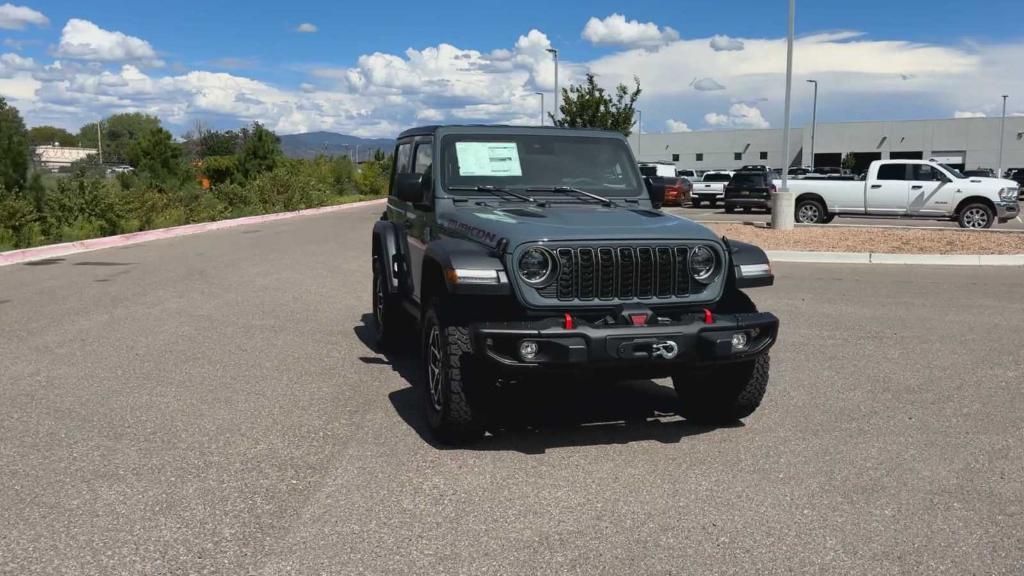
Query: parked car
x=749, y=189
x=909, y=189
x=690, y=175
x=677, y=190
x=711, y=188
x=520, y=252
x=980, y=173
x=1017, y=175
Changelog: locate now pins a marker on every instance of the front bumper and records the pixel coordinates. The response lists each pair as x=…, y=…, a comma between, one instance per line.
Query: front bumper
x=1006, y=211
x=693, y=340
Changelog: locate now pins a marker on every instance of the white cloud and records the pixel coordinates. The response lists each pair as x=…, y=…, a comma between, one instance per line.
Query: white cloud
x=83, y=40
x=615, y=30
x=676, y=126
x=965, y=114
x=20, y=17
x=740, y=116
x=307, y=88
x=706, y=84
x=306, y=28
x=10, y=64
x=721, y=43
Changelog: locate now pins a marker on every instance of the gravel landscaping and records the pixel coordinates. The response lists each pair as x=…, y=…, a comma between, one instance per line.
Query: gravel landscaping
x=876, y=240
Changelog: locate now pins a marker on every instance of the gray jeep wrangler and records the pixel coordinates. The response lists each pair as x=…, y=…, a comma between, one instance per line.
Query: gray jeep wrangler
x=517, y=252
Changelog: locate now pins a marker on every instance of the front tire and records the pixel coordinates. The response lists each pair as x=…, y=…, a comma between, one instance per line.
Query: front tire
x=976, y=217
x=448, y=366
x=724, y=393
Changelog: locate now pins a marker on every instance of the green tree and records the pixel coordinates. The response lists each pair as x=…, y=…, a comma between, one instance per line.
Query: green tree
x=589, y=106
x=157, y=158
x=849, y=161
x=260, y=151
x=47, y=135
x=373, y=176
x=14, y=150
x=119, y=131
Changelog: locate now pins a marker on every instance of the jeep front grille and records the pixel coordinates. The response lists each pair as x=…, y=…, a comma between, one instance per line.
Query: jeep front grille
x=620, y=273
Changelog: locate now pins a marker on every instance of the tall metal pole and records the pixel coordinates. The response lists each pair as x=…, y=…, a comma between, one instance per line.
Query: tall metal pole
x=639, y=130
x=558, y=96
x=541, y=94
x=814, y=120
x=99, y=140
x=782, y=207
x=1002, y=136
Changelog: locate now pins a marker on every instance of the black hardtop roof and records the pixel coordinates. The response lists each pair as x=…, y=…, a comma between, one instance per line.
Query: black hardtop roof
x=501, y=129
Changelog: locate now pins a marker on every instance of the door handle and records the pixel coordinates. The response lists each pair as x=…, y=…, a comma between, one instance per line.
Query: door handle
x=916, y=187
x=875, y=186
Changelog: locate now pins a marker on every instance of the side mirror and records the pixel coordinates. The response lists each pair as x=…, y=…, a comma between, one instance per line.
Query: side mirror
x=410, y=187
x=655, y=191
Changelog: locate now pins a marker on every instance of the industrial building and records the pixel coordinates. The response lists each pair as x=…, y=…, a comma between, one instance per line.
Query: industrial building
x=962, y=143
x=54, y=157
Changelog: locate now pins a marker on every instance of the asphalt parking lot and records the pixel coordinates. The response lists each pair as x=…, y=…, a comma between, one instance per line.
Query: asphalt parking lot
x=209, y=405
x=717, y=214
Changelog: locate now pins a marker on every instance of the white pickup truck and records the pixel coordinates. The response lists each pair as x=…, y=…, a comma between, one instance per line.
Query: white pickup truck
x=710, y=189
x=908, y=189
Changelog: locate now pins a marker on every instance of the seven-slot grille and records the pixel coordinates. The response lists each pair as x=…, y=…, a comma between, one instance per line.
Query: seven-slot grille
x=620, y=273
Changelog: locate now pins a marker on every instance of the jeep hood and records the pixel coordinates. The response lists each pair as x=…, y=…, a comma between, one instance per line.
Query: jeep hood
x=526, y=223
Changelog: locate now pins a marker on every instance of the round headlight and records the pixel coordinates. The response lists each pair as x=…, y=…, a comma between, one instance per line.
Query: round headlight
x=702, y=264
x=537, y=266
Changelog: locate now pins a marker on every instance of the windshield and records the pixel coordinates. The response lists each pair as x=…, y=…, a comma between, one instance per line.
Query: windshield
x=956, y=173
x=719, y=177
x=518, y=161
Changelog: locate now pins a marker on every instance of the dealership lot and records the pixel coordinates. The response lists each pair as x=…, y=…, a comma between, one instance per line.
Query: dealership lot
x=717, y=214
x=209, y=404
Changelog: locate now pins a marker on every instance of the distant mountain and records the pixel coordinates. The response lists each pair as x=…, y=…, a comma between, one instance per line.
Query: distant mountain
x=309, y=144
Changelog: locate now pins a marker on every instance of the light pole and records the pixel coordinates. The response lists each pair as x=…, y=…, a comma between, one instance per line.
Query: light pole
x=814, y=120
x=639, y=130
x=541, y=94
x=1002, y=134
x=782, y=205
x=554, y=54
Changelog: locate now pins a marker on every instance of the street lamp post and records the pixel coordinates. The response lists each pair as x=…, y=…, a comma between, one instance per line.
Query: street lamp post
x=639, y=130
x=1002, y=136
x=554, y=54
x=814, y=120
x=541, y=94
x=782, y=202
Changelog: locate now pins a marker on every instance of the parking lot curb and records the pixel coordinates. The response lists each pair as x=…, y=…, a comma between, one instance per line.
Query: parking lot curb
x=910, y=259
x=69, y=248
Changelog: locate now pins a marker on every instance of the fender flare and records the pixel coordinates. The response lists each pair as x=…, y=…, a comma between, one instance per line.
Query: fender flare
x=385, y=239
x=749, y=265
x=458, y=254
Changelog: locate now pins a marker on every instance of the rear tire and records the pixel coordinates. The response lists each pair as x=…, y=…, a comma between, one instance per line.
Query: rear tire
x=976, y=217
x=729, y=209
x=448, y=367
x=810, y=212
x=724, y=393
x=386, y=309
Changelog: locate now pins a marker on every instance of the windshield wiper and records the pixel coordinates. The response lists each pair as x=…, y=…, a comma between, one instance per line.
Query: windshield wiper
x=493, y=190
x=569, y=189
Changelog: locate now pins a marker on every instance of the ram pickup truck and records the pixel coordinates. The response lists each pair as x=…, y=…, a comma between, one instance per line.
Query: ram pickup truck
x=711, y=188
x=908, y=189
x=515, y=253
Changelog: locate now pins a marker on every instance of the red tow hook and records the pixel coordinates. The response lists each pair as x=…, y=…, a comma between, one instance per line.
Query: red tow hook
x=568, y=322
x=707, y=317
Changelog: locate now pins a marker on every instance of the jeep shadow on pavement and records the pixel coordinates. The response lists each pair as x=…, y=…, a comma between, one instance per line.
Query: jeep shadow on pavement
x=521, y=256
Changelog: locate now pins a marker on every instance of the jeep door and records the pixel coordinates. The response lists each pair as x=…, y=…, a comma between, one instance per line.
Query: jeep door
x=931, y=191
x=401, y=214
x=421, y=226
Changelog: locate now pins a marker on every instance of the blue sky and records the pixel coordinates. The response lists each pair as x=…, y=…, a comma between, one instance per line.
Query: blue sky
x=229, y=63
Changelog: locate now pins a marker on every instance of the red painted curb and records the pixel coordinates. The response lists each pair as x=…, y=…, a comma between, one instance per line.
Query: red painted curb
x=68, y=248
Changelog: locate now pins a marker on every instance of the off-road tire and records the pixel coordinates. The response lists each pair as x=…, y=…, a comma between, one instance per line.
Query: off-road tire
x=724, y=393
x=450, y=413
x=387, y=311
x=975, y=217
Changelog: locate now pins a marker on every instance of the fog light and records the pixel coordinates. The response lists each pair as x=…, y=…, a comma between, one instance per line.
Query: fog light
x=527, y=350
x=739, y=341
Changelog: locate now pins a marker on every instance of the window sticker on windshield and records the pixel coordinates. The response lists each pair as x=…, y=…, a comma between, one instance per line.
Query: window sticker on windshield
x=488, y=159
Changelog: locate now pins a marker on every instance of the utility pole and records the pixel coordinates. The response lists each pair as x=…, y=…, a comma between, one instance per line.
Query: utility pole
x=99, y=140
x=814, y=120
x=541, y=94
x=1002, y=136
x=558, y=98
x=782, y=205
